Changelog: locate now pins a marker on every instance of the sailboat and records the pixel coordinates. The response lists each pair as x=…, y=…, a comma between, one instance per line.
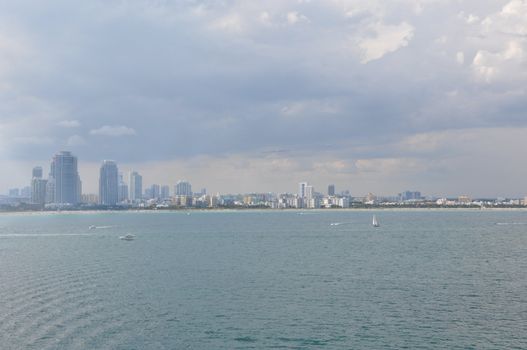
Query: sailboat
x=375, y=223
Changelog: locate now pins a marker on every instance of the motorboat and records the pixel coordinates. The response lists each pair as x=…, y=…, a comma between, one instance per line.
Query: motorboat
x=127, y=237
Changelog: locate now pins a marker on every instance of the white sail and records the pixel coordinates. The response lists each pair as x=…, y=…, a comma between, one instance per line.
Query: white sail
x=375, y=223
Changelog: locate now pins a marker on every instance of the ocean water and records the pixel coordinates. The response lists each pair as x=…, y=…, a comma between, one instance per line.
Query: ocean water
x=264, y=279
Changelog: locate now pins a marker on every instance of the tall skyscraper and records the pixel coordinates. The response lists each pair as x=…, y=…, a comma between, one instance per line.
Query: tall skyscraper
x=183, y=188
x=38, y=187
x=135, y=186
x=302, y=189
x=123, y=189
x=331, y=190
x=64, y=179
x=108, y=183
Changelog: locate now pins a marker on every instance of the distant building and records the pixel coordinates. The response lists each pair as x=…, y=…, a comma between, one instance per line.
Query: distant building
x=165, y=192
x=25, y=192
x=108, y=183
x=14, y=192
x=183, y=188
x=409, y=196
x=302, y=189
x=331, y=190
x=38, y=187
x=64, y=181
x=135, y=186
x=90, y=198
x=155, y=191
x=464, y=200
x=37, y=172
x=122, y=190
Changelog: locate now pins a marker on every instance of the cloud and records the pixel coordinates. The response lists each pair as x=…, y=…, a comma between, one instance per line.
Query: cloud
x=294, y=17
x=512, y=19
x=69, y=123
x=113, y=130
x=232, y=79
x=385, y=39
x=506, y=64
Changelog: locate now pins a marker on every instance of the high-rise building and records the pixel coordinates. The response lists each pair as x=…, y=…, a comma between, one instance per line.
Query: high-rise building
x=154, y=191
x=183, y=188
x=123, y=189
x=302, y=189
x=37, y=172
x=108, y=183
x=38, y=190
x=165, y=192
x=331, y=190
x=14, y=192
x=135, y=186
x=64, y=179
x=38, y=186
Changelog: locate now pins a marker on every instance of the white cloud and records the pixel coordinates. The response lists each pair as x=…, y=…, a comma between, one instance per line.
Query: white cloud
x=113, y=130
x=507, y=64
x=512, y=19
x=469, y=19
x=386, y=39
x=69, y=123
x=294, y=17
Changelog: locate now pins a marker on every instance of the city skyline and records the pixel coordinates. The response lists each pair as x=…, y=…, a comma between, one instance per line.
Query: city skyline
x=171, y=181
x=113, y=188
x=244, y=96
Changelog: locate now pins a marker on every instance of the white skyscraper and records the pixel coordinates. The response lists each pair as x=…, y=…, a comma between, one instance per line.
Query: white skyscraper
x=108, y=183
x=135, y=186
x=64, y=180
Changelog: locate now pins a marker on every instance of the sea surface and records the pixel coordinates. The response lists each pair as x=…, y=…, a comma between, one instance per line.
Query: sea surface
x=264, y=280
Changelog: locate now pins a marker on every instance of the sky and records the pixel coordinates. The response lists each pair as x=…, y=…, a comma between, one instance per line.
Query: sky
x=256, y=96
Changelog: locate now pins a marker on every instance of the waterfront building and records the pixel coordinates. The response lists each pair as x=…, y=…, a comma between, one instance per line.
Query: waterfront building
x=38, y=190
x=135, y=186
x=302, y=189
x=409, y=196
x=331, y=190
x=90, y=198
x=122, y=189
x=65, y=180
x=108, y=183
x=183, y=188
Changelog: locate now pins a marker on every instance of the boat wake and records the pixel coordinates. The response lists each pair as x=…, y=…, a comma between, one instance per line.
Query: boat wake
x=510, y=223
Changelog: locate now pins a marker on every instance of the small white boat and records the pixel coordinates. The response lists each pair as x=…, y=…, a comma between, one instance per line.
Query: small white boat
x=128, y=237
x=92, y=227
x=375, y=223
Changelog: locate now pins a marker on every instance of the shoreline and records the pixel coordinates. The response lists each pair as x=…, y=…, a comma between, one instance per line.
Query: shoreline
x=245, y=210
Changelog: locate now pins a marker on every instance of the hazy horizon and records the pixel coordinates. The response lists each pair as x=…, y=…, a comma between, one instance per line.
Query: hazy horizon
x=238, y=96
